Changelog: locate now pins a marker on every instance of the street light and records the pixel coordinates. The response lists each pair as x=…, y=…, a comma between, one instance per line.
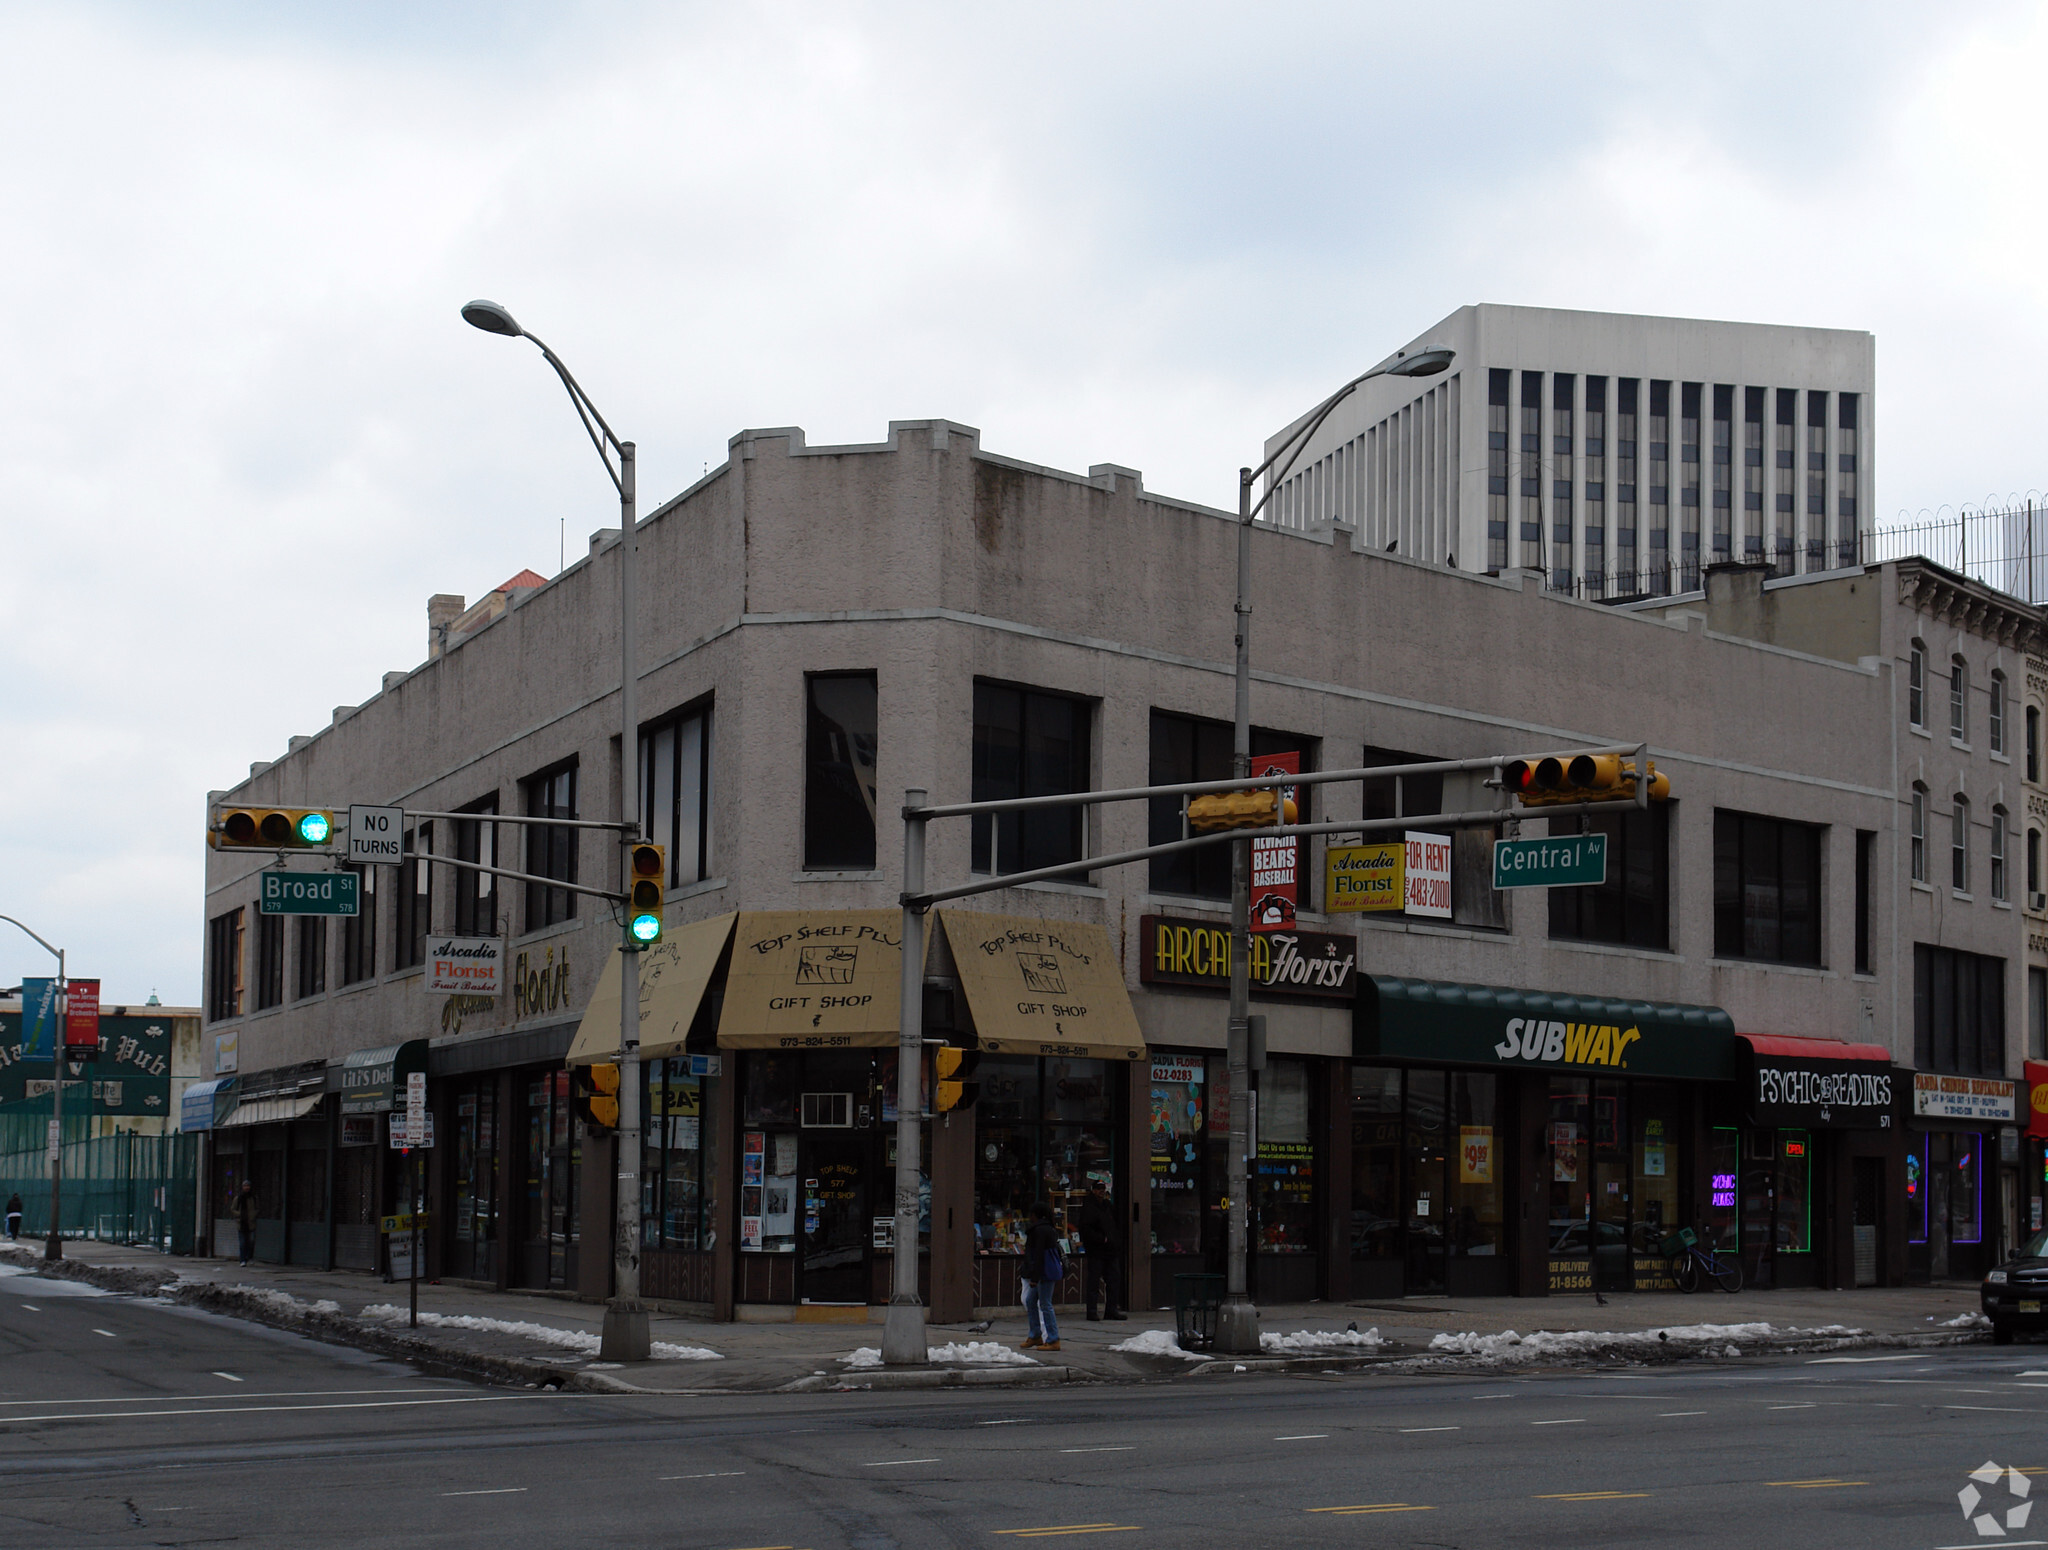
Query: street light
x=53, y=1246
x=625, y=1337
x=1237, y=1324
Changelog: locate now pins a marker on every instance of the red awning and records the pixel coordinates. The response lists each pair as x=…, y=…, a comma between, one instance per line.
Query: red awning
x=1792, y=1047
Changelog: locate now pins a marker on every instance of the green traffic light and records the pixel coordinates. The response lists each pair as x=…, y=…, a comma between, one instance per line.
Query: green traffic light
x=645, y=928
x=314, y=828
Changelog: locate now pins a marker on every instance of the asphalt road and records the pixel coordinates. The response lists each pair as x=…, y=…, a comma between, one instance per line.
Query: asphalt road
x=131, y=1422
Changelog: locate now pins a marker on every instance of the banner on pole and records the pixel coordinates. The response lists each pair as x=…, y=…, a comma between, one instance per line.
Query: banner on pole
x=1276, y=863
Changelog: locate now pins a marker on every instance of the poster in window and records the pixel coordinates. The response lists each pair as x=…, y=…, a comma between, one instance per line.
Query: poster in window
x=1564, y=1164
x=1275, y=861
x=1426, y=875
x=778, y=1206
x=1475, y=1154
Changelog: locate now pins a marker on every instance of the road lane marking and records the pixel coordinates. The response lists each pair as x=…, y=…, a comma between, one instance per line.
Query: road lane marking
x=1815, y=1485
x=1302, y=1437
x=503, y=1490
x=1123, y=1447
x=32, y=1307
x=1352, y=1512
x=177, y=1399
x=1577, y=1420
x=1409, y=1431
x=1489, y=1396
x=1054, y=1530
x=892, y=1463
x=1592, y=1496
x=108, y=1333
x=1673, y=1414
x=718, y=1474
x=1012, y=1421
x=229, y=1376
x=1829, y=1361
x=1997, y=1409
x=151, y=1415
x=1793, y=1407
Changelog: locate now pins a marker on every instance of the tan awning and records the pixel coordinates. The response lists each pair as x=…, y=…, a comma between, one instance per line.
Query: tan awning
x=673, y=975
x=269, y=1111
x=813, y=979
x=1043, y=987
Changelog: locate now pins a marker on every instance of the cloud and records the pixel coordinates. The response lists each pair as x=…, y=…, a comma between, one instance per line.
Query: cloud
x=244, y=434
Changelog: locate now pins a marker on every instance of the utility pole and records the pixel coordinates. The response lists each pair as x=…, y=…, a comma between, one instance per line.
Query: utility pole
x=53, y=1245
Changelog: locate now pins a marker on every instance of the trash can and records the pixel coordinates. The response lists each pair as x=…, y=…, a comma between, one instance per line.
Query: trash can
x=1195, y=1301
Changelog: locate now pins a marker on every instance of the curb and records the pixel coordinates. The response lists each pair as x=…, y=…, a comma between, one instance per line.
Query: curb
x=927, y=1378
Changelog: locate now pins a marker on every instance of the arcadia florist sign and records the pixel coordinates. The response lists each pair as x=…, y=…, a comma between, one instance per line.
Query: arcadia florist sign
x=1173, y=951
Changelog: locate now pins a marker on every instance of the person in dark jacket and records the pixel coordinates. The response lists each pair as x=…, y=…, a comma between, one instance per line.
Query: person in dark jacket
x=1102, y=1248
x=1042, y=1240
x=14, y=1216
x=245, y=1219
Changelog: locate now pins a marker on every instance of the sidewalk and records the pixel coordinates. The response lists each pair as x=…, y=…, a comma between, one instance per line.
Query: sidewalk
x=518, y=1337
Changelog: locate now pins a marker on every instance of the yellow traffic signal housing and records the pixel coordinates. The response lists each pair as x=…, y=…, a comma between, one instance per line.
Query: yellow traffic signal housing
x=1238, y=810
x=951, y=1089
x=1558, y=779
x=271, y=828
x=596, y=1094
x=646, y=874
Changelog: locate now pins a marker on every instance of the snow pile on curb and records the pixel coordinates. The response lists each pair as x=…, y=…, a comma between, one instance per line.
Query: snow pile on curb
x=988, y=1353
x=568, y=1339
x=1967, y=1321
x=1511, y=1347
x=282, y=1302
x=1157, y=1342
x=1322, y=1340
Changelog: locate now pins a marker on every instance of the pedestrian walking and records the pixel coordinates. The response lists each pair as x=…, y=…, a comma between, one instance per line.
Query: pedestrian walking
x=1043, y=1268
x=1102, y=1254
x=245, y=1220
x=13, y=1216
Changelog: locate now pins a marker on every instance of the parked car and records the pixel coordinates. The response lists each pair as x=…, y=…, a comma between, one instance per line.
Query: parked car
x=2015, y=1293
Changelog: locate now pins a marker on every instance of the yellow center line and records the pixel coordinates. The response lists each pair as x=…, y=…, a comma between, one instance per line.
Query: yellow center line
x=1350, y=1512
x=1815, y=1485
x=1590, y=1496
x=1051, y=1528
x=1070, y=1528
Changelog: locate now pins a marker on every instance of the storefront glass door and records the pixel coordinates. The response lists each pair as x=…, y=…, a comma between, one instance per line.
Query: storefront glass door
x=834, y=1233
x=1425, y=1200
x=1613, y=1178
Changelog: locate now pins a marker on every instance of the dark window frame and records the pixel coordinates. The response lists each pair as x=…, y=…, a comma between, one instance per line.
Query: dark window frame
x=224, y=934
x=1866, y=852
x=309, y=973
x=1022, y=750
x=1205, y=873
x=269, y=961
x=476, y=893
x=1769, y=889
x=359, y=931
x=1633, y=907
x=660, y=823
x=841, y=763
x=550, y=851
x=1958, y=1011
x=413, y=919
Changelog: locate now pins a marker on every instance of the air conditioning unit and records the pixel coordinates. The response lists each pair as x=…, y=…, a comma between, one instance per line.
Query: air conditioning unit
x=827, y=1111
x=2037, y=901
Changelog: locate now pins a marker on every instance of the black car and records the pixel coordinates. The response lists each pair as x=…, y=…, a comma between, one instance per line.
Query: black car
x=2015, y=1294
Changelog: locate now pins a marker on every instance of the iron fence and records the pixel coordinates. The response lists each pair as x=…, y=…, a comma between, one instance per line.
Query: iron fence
x=122, y=1188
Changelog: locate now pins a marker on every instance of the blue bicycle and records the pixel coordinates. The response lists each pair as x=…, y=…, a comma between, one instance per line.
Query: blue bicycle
x=1694, y=1266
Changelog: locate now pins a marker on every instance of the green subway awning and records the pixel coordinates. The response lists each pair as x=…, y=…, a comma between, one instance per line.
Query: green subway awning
x=1494, y=1025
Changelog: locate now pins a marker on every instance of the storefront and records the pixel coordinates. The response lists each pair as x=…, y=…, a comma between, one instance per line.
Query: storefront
x=2034, y=1150
x=277, y=1137
x=1507, y=1141
x=368, y=1084
x=1961, y=1189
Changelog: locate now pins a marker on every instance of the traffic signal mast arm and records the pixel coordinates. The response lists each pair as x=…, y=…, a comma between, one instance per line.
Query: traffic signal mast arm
x=1559, y=807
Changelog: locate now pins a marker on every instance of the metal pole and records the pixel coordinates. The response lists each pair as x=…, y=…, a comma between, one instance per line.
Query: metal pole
x=625, y=1337
x=412, y=1267
x=53, y=1246
x=1237, y=1324
x=903, y=1333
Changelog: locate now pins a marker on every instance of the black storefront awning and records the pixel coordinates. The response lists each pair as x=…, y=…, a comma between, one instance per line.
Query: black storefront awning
x=372, y=1081
x=1819, y=1084
x=1493, y=1025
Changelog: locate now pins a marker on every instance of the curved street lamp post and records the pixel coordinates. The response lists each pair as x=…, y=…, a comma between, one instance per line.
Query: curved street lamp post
x=625, y=1337
x=53, y=1246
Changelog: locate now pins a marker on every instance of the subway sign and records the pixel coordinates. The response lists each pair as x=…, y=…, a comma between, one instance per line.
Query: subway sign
x=1178, y=951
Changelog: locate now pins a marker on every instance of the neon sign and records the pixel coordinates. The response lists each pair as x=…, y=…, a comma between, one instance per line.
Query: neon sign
x=1724, y=1189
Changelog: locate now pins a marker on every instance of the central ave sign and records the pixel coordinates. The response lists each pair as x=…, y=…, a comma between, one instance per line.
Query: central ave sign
x=1561, y=861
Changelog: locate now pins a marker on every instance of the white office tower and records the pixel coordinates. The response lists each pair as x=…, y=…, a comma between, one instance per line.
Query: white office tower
x=1617, y=456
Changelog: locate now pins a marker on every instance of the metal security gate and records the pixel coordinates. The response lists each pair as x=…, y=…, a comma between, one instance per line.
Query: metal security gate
x=122, y=1188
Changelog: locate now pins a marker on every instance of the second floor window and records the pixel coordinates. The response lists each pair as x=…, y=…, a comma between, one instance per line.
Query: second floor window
x=476, y=893
x=2034, y=743
x=1959, y=846
x=1185, y=748
x=1998, y=884
x=1919, y=834
x=415, y=908
x=1028, y=744
x=1958, y=1011
x=1916, y=686
x=840, y=749
x=675, y=793
x=550, y=852
x=1958, y=700
x=1994, y=721
x=224, y=966
x=359, y=931
x=269, y=961
x=1632, y=908
x=310, y=979
x=1766, y=889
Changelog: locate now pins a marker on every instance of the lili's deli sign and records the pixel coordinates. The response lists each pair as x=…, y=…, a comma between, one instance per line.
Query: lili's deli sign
x=1175, y=951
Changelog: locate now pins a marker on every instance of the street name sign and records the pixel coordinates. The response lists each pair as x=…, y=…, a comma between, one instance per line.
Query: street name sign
x=376, y=834
x=309, y=893
x=1562, y=861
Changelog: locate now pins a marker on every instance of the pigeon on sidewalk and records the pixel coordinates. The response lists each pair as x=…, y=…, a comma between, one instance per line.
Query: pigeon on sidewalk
x=980, y=1329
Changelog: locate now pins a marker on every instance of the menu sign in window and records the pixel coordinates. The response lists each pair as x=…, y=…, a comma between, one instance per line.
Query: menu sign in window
x=1965, y=1097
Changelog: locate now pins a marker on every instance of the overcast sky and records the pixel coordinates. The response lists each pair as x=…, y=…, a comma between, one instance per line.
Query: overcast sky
x=244, y=434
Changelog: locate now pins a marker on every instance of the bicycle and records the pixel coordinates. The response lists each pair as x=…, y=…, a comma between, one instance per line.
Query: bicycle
x=1693, y=1266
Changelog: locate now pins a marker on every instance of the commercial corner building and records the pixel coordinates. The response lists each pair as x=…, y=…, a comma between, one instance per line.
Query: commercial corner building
x=827, y=627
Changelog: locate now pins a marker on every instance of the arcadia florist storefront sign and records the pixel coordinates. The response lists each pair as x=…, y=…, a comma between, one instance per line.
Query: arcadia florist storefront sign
x=1175, y=951
x=1493, y=1025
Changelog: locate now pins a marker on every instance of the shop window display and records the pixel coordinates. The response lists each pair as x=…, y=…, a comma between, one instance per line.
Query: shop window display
x=1042, y=1133
x=1655, y=1188
x=1178, y=1099
x=1475, y=1221
x=1375, y=1162
x=1718, y=1230
x=676, y=1198
x=1425, y=1201
x=1283, y=1170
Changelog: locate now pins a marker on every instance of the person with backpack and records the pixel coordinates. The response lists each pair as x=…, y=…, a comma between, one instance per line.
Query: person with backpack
x=1042, y=1271
x=14, y=1216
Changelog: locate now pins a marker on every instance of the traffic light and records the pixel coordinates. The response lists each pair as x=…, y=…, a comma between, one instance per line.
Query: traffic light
x=646, y=871
x=271, y=828
x=1560, y=778
x=596, y=1096
x=952, y=1067
x=1238, y=810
